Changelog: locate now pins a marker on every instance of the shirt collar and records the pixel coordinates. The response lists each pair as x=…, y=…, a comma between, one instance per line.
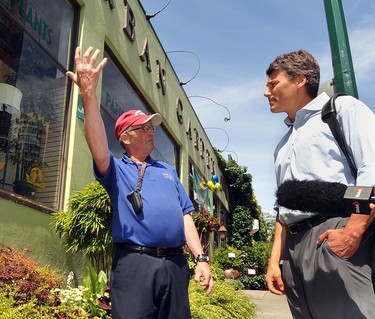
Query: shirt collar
x=127, y=160
x=316, y=104
x=313, y=106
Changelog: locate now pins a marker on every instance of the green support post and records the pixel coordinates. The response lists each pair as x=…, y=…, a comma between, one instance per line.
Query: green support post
x=344, y=78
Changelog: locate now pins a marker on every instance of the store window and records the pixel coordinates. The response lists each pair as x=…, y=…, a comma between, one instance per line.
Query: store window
x=198, y=190
x=118, y=96
x=35, y=41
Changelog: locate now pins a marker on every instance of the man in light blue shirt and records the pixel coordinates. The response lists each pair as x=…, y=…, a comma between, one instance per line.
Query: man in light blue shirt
x=326, y=260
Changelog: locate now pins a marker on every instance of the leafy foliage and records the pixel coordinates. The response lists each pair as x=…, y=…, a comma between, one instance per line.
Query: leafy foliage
x=10, y=309
x=254, y=257
x=242, y=224
x=32, y=281
x=86, y=225
x=92, y=297
x=222, y=260
x=241, y=198
x=224, y=302
x=97, y=292
x=254, y=282
x=25, y=288
x=255, y=249
x=30, y=291
x=94, y=282
x=258, y=256
x=204, y=222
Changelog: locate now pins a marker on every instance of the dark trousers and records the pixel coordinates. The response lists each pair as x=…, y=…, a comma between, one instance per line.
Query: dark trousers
x=148, y=287
x=321, y=285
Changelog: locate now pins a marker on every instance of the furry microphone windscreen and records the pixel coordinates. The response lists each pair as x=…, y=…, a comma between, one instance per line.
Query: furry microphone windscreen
x=312, y=196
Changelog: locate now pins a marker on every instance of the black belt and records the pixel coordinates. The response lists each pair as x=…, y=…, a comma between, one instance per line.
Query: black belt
x=305, y=224
x=158, y=252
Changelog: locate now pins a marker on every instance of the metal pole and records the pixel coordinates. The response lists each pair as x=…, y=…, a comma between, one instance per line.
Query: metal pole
x=344, y=78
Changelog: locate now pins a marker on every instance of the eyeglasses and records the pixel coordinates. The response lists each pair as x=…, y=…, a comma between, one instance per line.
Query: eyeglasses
x=144, y=129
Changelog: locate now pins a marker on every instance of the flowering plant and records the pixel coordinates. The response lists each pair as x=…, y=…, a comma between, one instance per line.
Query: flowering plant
x=204, y=222
x=92, y=297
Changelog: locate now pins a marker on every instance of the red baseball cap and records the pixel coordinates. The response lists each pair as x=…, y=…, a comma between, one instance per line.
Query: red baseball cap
x=135, y=117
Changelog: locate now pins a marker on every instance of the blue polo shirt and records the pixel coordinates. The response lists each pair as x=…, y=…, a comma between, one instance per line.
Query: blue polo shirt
x=165, y=202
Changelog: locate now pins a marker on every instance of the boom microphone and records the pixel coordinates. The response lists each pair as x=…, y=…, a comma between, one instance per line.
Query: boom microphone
x=326, y=198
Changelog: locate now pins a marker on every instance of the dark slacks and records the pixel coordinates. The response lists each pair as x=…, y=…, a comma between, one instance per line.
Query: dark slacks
x=149, y=287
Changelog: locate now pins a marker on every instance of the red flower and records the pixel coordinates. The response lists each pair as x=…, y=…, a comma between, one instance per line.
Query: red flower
x=204, y=222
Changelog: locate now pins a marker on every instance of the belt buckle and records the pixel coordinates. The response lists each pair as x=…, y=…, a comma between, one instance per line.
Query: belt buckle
x=161, y=252
x=292, y=230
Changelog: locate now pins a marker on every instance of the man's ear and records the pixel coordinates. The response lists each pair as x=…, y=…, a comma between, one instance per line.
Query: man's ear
x=301, y=80
x=124, y=139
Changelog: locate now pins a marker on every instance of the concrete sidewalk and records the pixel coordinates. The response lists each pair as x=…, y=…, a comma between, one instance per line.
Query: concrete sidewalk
x=269, y=306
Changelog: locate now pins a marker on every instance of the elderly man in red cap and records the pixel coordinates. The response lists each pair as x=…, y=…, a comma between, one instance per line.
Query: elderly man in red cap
x=151, y=211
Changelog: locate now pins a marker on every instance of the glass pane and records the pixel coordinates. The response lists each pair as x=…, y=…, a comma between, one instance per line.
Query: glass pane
x=48, y=22
x=31, y=134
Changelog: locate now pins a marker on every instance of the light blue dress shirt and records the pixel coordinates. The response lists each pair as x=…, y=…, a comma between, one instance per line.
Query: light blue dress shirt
x=310, y=152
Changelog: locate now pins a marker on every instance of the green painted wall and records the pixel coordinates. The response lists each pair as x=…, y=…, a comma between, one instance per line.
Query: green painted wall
x=22, y=227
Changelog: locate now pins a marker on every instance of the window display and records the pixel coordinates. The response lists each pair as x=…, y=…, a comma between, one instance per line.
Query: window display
x=34, y=49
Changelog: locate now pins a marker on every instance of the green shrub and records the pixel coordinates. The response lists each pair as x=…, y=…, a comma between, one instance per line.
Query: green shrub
x=92, y=297
x=10, y=308
x=221, y=259
x=236, y=284
x=254, y=282
x=33, y=292
x=24, y=274
x=224, y=302
x=257, y=256
x=254, y=257
x=216, y=272
x=86, y=225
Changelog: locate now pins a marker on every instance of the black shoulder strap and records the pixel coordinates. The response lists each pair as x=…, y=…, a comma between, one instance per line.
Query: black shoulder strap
x=329, y=117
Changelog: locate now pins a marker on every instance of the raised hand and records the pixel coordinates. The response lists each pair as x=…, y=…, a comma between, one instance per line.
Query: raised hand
x=87, y=73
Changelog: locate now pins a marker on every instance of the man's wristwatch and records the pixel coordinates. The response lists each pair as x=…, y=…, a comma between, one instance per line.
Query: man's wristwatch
x=202, y=258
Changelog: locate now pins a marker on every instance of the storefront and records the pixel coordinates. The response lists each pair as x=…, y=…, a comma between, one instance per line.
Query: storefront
x=43, y=155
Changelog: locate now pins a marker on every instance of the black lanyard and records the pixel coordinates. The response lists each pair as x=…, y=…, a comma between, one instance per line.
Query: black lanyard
x=141, y=173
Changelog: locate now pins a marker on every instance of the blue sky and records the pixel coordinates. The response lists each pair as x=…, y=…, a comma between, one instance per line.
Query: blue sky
x=235, y=41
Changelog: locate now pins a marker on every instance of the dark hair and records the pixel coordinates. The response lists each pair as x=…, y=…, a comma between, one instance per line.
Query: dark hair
x=298, y=63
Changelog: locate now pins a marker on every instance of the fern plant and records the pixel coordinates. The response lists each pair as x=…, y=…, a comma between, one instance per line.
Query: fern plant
x=86, y=225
